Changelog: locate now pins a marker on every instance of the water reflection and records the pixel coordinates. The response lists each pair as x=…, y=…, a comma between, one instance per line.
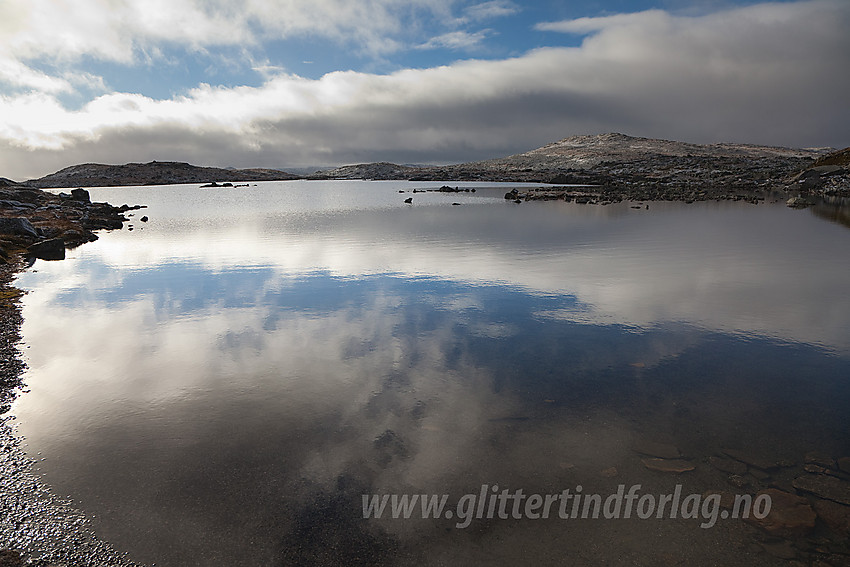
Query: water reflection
x=220, y=391
x=835, y=209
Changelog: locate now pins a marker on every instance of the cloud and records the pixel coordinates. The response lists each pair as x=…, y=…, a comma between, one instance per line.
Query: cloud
x=17, y=74
x=116, y=30
x=130, y=32
x=769, y=73
x=456, y=40
x=493, y=9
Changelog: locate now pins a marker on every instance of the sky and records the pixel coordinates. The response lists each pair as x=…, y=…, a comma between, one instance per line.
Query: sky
x=299, y=83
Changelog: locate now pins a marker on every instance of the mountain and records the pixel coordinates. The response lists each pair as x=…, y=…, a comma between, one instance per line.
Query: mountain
x=153, y=173
x=584, y=158
x=380, y=170
x=583, y=152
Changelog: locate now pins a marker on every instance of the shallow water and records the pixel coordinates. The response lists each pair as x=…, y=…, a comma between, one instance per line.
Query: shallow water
x=221, y=385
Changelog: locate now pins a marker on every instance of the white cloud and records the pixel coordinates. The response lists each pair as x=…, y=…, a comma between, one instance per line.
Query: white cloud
x=19, y=75
x=114, y=30
x=456, y=40
x=770, y=73
x=492, y=9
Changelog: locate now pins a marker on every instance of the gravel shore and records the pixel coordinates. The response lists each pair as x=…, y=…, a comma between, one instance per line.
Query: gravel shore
x=36, y=527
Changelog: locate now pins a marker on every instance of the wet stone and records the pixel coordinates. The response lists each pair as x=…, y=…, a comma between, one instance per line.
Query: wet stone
x=730, y=466
x=835, y=516
x=827, y=487
x=790, y=515
x=820, y=459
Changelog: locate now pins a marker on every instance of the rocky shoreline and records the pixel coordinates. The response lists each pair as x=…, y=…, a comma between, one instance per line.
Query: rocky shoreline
x=36, y=527
x=611, y=168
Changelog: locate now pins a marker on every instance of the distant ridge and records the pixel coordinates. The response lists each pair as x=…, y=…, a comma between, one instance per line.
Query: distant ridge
x=152, y=173
x=580, y=152
x=574, y=153
x=577, y=159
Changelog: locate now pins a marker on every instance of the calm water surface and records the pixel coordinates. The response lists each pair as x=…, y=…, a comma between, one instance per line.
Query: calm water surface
x=221, y=385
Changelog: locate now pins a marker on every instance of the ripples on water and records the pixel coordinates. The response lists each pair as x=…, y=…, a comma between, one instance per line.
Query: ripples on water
x=220, y=385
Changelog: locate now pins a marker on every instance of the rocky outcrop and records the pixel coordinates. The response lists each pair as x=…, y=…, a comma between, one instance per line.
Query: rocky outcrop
x=41, y=225
x=152, y=173
x=828, y=176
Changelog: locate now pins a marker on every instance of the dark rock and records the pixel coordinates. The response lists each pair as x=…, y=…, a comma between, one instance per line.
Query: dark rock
x=12, y=204
x=512, y=194
x=790, y=515
x=800, y=202
x=144, y=219
x=827, y=487
x=17, y=226
x=53, y=249
x=455, y=203
x=408, y=200
x=835, y=516
x=80, y=195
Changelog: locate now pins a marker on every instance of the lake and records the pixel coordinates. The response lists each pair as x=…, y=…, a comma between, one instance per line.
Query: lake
x=224, y=384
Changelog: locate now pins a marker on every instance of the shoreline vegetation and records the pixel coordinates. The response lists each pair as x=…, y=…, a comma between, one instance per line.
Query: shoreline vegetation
x=610, y=167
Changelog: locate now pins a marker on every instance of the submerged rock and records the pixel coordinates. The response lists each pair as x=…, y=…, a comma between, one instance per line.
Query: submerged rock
x=790, y=515
x=835, y=516
x=730, y=466
x=828, y=487
x=819, y=459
